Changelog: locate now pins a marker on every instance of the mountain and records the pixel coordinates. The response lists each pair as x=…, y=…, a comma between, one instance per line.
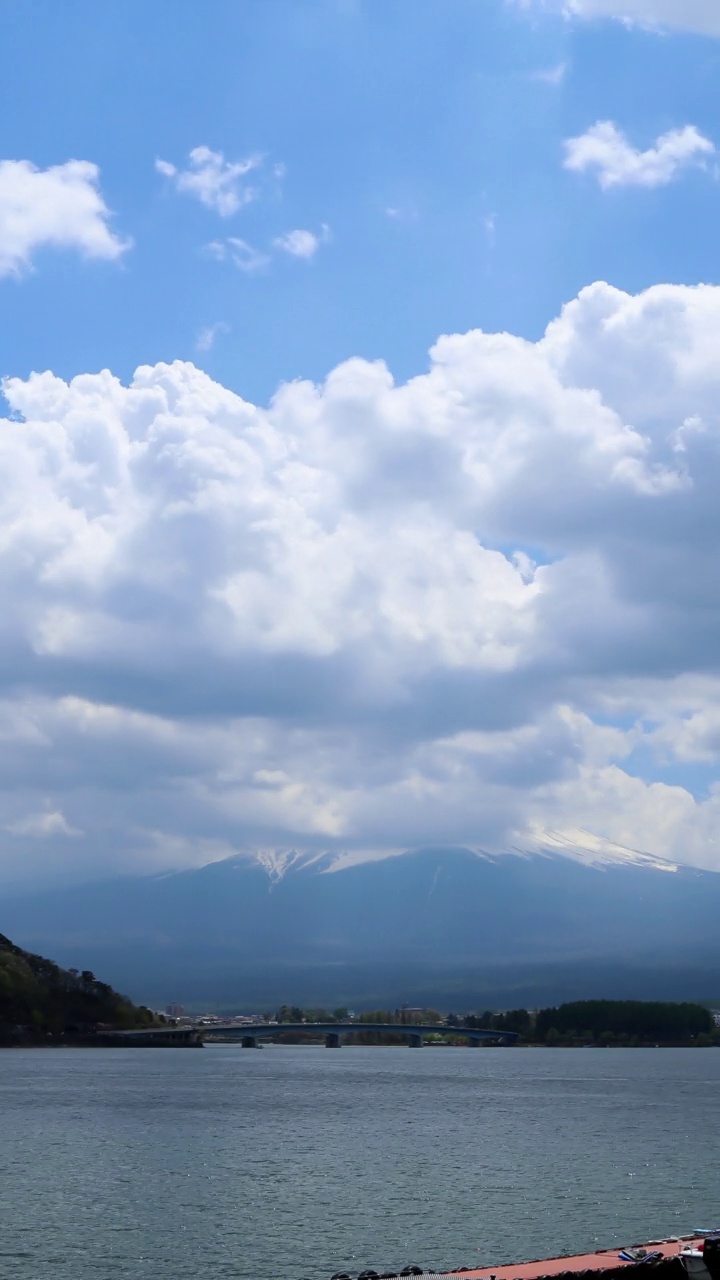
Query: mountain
x=38, y=998
x=447, y=925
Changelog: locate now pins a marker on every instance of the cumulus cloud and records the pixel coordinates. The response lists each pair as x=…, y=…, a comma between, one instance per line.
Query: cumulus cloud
x=60, y=207
x=466, y=608
x=217, y=183
x=699, y=16
x=605, y=151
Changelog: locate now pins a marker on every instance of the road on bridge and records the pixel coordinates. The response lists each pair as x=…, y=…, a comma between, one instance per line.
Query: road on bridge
x=333, y=1032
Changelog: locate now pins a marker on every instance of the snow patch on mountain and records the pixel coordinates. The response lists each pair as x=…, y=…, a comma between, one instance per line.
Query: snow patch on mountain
x=596, y=851
x=277, y=862
x=575, y=844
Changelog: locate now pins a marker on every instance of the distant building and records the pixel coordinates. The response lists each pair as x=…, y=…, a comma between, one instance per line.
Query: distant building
x=174, y=1010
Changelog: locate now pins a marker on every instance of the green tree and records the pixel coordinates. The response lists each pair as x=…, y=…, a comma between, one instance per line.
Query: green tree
x=644, y=1021
x=35, y=992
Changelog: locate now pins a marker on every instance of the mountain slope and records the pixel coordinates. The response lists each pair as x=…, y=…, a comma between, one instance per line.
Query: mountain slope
x=232, y=932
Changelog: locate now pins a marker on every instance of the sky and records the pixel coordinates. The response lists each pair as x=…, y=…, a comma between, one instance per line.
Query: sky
x=360, y=441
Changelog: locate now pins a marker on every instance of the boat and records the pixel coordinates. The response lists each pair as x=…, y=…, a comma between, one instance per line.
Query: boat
x=695, y=1256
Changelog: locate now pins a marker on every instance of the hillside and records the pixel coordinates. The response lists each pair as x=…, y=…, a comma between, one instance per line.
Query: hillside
x=435, y=926
x=39, y=999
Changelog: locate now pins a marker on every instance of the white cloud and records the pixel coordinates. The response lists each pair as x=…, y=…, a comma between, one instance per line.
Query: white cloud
x=217, y=183
x=60, y=207
x=702, y=17
x=465, y=608
x=605, y=151
x=300, y=243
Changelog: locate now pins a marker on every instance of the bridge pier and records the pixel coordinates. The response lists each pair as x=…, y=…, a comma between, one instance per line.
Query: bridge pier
x=474, y=1042
x=332, y=1040
x=249, y=1042
x=415, y=1042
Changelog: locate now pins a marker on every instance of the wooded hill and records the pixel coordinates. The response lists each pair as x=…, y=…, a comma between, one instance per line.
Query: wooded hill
x=38, y=999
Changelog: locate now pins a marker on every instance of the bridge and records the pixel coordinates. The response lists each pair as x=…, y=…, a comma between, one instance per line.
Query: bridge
x=334, y=1031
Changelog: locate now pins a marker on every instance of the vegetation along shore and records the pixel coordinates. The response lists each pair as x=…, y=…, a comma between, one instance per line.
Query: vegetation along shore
x=40, y=1003
x=44, y=1004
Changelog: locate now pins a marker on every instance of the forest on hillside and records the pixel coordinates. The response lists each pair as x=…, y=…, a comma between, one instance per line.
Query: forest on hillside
x=38, y=999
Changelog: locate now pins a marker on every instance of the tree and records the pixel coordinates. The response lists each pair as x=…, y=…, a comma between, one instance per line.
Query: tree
x=36, y=993
x=643, y=1021
x=289, y=1013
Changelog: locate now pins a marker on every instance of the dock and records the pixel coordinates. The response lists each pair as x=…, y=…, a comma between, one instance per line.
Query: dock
x=608, y=1261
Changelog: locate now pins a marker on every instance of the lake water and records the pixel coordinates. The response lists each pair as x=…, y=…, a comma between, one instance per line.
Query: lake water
x=288, y=1163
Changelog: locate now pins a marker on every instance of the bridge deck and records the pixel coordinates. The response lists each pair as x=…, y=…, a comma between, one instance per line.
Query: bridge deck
x=353, y=1028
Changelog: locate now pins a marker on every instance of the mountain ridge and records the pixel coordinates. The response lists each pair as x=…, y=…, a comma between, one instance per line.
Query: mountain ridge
x=577, y=845
x=431, y=913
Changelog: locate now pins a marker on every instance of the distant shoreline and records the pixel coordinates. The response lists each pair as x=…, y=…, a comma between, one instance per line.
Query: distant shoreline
x=97, y=1042
x=89, y=1043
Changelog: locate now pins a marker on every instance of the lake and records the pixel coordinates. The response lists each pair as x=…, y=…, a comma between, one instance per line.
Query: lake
x=291, y=1162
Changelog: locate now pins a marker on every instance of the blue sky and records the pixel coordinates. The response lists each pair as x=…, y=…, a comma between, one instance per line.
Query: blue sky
x=438, y=111
x=317, y=576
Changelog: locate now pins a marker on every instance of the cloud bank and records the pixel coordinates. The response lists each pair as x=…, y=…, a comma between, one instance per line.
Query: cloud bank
x=474, y=607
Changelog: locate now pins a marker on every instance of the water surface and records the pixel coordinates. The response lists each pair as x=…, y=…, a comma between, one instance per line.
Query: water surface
x=298, y=1162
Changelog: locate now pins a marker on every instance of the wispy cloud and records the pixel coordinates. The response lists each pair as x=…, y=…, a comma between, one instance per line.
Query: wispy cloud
x=242, y=255
x=217, y=183
x=397, y=213
x=699, y=16
x=40, y=826
x=605, y=150
x=298, y=243
x=205, y=340
x=552, y=76
x=702, y=16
